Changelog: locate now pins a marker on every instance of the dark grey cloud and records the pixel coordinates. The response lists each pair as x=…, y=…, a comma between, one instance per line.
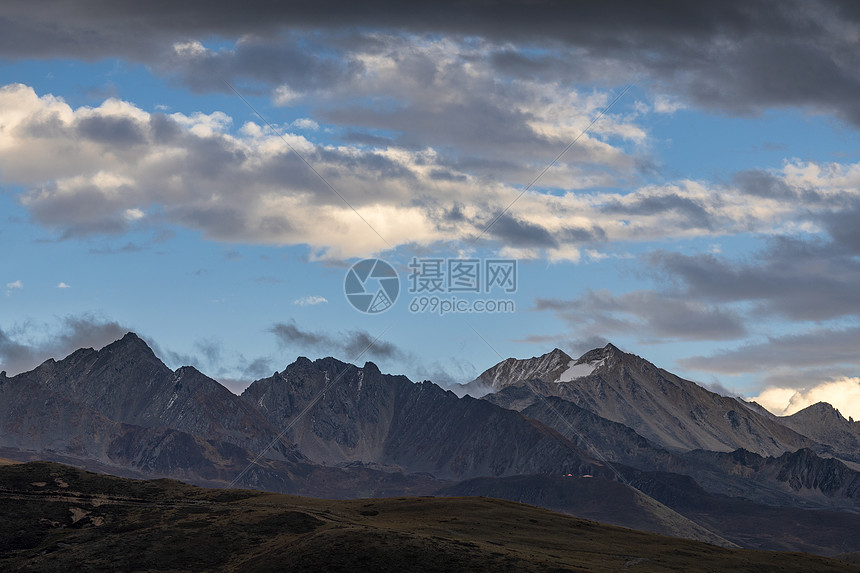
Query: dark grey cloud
x=211, y=349
x=359, y=341
x=794, y=377
x=174, y=358
x=693, y=214
x=649, y=315
x=257, y=368
x=16, y=357
x=359, y=345
x=844, y=226
x=46, y=126
x=87, y=212
x=479, y=123
x=286, y=58
x=763, y=184
x=759, y=183
x=74, y=332
x=83, y=331
x=289, y=334
x=231, y=369
x=114, y=131
x=510, y=230
x=801, y=279
x=349, y=345
x=579, y=345
x=818, y=348
x=164, y=129
x=368, y=139
x=739, y=56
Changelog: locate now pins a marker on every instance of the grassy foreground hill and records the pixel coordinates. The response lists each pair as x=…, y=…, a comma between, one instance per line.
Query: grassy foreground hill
x=58, y=518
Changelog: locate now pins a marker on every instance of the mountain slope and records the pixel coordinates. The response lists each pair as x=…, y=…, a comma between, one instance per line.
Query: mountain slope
x=669, y=411
x=125, y=382
x=36, y=418
x=180, y=424
x=750, y=524
x=389, y=421
x=823, y=423
x=590, y=498
x=549, y=366
x=801, y=478
x=598, y=436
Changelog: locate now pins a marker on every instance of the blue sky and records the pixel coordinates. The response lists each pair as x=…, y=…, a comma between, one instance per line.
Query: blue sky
x=706, y=220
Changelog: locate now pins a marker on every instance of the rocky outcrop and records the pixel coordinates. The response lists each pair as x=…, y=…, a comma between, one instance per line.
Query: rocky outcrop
x=800, y=479
x=125, y=382
x=364, y=415
x=510, y=371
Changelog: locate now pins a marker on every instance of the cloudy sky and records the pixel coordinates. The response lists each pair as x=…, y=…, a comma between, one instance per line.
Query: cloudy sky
x=683, y=181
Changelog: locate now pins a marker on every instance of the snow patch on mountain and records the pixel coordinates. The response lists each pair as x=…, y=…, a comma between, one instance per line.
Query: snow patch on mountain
x=579, y=369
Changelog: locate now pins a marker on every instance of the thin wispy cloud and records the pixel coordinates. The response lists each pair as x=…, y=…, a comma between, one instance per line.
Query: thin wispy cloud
x=26, y=346
x=346, y=344
x=311, y=300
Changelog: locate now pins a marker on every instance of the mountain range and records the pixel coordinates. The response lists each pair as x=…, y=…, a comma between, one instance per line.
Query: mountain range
x=660, y=453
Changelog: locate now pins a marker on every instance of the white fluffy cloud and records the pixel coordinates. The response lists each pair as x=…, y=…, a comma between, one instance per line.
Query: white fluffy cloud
x=102, y=170
x=843, y=394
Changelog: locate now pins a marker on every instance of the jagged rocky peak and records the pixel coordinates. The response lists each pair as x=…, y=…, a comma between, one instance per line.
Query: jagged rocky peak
x=513, y=370
x=590, y=362
x=130, y=346
x=608, y=351
x=300, y=363
x=130, y=355
x=309, y=375
x=130, y=343
x=545, y=363
x=303, y=363
x=821, y=410
x=555, y=355
x=554, y=366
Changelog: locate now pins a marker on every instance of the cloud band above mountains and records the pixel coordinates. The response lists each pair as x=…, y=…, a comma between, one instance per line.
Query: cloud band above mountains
x=736, y=56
